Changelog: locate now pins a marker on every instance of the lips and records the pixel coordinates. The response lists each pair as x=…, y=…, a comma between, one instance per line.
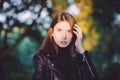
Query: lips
x=63, y=42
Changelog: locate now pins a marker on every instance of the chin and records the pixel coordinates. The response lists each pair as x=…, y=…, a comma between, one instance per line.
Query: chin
x=63, y=46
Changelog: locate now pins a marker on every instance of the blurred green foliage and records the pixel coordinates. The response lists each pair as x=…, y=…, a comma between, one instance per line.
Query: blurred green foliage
x=24, y=25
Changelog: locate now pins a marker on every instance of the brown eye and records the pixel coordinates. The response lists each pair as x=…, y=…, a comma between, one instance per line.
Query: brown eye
x=59, y=30
x=69, y=30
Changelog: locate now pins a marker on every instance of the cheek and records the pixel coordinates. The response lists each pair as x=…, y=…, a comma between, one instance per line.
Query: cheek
x=70, y=36
x=55, y=37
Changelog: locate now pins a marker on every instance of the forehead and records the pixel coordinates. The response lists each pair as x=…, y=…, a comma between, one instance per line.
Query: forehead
x=62, y=25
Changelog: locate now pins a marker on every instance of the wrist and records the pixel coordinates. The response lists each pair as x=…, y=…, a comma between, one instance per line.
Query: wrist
x=81, y=50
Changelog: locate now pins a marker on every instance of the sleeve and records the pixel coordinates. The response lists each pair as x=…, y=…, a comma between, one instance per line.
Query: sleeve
x=39, y=67
x=89, y=71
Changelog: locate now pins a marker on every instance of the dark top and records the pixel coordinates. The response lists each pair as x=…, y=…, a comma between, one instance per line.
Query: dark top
x=63, y=66
x=66, y=64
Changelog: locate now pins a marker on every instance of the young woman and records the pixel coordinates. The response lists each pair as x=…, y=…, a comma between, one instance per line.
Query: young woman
x=62, y=56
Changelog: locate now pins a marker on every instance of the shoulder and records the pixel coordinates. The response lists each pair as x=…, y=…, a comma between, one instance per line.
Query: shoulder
x=39, y=55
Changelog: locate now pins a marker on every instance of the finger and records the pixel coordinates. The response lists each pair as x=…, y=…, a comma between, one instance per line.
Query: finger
x=75, y=33
x=77, y=26
x=79, y=31
x=79, y=36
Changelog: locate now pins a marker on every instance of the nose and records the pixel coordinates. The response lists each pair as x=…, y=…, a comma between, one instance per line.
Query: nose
x=64, y=35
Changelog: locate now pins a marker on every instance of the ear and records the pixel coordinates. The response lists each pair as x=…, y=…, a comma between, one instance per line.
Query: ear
x=51, y=31
x=52, y=34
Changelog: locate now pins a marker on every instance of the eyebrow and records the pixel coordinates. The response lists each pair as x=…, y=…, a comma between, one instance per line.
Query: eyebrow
x=58, y=28
x=63, y=28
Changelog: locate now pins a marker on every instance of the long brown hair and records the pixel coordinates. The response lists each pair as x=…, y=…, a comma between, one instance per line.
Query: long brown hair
x=49, y=46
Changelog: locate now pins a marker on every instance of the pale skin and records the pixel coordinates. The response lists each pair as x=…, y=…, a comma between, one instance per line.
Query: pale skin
x=62, y=35
x=78, y=42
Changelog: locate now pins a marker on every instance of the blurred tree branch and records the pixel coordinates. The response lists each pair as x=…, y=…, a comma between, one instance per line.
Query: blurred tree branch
x=7, y=49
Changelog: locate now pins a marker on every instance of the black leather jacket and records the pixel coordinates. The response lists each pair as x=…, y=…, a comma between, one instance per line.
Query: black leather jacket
x=45, y=69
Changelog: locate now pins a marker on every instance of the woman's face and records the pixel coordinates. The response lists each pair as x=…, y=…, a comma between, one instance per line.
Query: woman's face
x=62, y=34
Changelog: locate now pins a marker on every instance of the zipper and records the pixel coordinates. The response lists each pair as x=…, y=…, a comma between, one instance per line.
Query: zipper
x=51, y=66
x=78, y=70
x=85, y=59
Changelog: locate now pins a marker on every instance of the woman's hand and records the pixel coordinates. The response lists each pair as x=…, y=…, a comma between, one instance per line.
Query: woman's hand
x=78, y=32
